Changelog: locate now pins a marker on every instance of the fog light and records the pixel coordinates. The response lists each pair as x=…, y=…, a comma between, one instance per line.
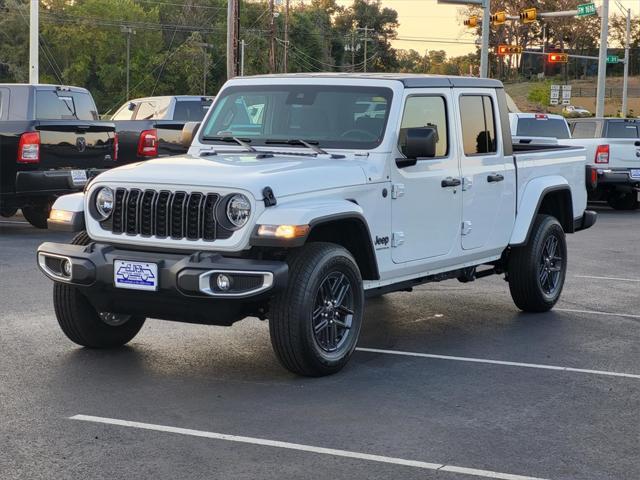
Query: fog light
x=66, y=268
x=224, y=282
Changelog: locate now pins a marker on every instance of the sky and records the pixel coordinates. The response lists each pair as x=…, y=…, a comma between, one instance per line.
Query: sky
x=425, y=24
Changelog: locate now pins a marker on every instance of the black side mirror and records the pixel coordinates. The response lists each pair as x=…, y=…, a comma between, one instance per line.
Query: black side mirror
x=131, y=107
x=188, y=132
x=420, y=143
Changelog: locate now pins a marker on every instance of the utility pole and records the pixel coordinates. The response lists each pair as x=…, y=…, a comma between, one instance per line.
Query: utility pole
x=625, y=82
x=602, y=58
x=285, y=59
x=34, y=75
x=242, y=58
x=272, y=39
x=232, y=38
x=128, y=31
x=205, y=67
x=366, y=41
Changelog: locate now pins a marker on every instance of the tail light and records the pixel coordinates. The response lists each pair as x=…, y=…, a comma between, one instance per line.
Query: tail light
x=602, y=154
x=116, y=146
x=29, y=148
x=148, y=143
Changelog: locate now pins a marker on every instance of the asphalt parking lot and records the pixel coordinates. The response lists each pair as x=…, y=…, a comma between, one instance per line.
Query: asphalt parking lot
x=450, y=382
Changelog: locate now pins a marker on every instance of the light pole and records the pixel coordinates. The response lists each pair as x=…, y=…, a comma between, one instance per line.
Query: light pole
x=34, y=74
x=486, y=20
x=602, y=58
x=204, y=64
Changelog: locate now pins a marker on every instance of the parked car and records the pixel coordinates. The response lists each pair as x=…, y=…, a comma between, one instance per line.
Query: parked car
x=298, y=216
x=613, y=152
x=573, y=111
x=151, y=127
x=538, y=128
x=51, y=143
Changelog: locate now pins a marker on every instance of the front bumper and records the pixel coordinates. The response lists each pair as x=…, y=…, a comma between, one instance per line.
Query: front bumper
x=187, y=287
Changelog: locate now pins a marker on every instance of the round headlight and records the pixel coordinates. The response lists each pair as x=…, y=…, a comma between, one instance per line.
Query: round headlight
x=104, y=202
x=238, y=210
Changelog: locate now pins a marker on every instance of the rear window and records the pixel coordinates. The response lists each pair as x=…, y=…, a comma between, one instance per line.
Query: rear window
x=584, y=130
x=622, y=130
x=542, y=127
x=191, y=110
x=64, y=105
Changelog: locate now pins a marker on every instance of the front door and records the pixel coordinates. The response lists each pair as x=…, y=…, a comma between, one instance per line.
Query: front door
x=425, y=212
x=483, y=171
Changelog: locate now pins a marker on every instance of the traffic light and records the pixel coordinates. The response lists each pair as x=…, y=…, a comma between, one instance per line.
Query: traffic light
x=472, y=22
x=508, y=49
x=558, y=58
x=499, y=18
x=528, y=15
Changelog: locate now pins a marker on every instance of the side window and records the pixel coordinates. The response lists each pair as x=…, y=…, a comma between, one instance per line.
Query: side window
x=584, y=130
x=146, y=111
x=478, y=124
x=123, y=114
x=425, y=112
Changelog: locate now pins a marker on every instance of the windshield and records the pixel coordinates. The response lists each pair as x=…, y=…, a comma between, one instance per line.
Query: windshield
x=542, y=127
x=329, y=116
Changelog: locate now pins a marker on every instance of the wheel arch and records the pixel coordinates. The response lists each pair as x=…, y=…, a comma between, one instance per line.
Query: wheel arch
x=349, y=230
x=552, y=199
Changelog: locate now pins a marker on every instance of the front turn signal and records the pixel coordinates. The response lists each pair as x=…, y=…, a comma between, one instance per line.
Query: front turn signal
x=283, y=231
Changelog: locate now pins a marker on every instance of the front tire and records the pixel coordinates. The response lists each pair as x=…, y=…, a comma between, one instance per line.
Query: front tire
x=315, y=322
x=82, y=324
x=537, y=270
x=623, y=200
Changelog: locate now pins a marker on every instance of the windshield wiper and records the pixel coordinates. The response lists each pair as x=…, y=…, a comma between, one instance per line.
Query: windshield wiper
x=310, y=144
x=243, y=142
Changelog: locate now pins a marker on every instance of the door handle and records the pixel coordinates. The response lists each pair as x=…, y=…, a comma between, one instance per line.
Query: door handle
x=451, y=182
x=495, y=177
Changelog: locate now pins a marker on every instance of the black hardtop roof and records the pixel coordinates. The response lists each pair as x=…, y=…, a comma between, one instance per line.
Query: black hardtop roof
x=409, y=80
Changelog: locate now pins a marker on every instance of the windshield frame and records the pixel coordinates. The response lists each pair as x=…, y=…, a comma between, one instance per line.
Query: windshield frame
x=383, y=90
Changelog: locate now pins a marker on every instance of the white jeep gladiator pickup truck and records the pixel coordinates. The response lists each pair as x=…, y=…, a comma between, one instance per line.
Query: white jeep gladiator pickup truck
x=298, y=211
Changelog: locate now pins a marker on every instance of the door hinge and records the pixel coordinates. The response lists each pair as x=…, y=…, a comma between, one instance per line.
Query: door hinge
x=466, y=227
x=397, y=190
x=397, y=239
x=467, y=183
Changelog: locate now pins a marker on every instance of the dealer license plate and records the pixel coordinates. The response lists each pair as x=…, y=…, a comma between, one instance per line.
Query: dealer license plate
x=135, y=275
x=78, y=178
x=635, y=173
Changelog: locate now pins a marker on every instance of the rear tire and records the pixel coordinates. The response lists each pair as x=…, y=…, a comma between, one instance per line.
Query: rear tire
x=623, y=200
x=37, y=214
x=537, y=270
x=8, y=212
x=82, y=324
x=315, y=322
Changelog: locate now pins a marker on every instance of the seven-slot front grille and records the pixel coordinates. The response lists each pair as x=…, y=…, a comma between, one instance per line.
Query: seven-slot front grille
x=175, y=215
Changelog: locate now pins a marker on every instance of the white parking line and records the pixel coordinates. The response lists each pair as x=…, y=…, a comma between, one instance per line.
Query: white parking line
x=617, y=279
x=498, y=362
x=305, y=448
x=595, y=312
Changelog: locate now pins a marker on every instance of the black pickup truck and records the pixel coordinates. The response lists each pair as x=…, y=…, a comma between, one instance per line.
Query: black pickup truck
x=51, y=143
x=151, y=127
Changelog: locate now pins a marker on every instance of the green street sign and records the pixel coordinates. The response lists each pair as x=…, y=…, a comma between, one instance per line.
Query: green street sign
x=585, y=9
x=612, y=59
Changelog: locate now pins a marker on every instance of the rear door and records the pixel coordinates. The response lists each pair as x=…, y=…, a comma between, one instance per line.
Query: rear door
x=487, y=184
x=425, y=211
x=71, y=135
